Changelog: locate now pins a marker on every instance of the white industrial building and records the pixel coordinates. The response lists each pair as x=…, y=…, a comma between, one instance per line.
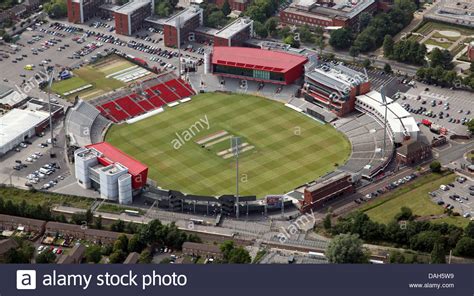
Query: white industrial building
x=401, y=124
x=18, y=125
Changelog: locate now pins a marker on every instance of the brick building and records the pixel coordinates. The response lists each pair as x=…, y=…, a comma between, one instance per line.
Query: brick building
x=470, y=51
x=203, y=250
x=239, y=5
x=334, y=87
x=8, y=222
x=78, y=231
x=74, y=257
x=322, y=191
x=327, y=13
x=413, y=152
x=131, y=16
x=79, y=11
x=6, y=245
x=256, y=64
x=187, y=20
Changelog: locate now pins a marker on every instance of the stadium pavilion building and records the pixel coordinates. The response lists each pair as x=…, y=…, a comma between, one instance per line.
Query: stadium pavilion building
x=334, y=87
x=257, y=64
x=115, y=174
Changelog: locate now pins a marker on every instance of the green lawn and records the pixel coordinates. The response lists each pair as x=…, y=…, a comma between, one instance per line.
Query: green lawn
x=444, y=45
x=67, y=85
x=116, y=209
x=415, y=196
x=39, y=198
x=290, y=148
x=430, y=26
x=87, y=75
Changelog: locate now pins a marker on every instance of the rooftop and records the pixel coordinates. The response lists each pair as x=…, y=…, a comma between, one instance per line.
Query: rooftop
x=132, y=6
x=255, y=58
x=234, y=27
x=342, y=8
x=17, y=121
x=325, y=182
x=398, y=118
x=5, y=90
x=12, y=98
x=112, y=154
x=184, y=15
x=337, y=76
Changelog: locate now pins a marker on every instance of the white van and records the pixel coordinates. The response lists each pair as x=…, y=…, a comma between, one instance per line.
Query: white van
x=45, y=171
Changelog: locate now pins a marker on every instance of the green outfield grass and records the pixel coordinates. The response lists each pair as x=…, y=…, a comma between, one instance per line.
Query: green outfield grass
x=290, y=149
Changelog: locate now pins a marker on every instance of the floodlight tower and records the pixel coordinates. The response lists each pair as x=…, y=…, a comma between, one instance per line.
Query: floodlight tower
x=234, y=143
x=384, y=100
x=50, y=71
x=178, y=33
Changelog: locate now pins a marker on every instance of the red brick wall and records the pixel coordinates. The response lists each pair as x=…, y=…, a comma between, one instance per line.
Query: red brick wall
x=470, y=53
x=121, y=23
x=318, y=198
x=170, y=36
x=221, y=41
x=73, y=12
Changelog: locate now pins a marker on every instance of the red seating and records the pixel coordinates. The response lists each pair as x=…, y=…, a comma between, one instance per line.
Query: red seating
x=146, y=105
x=130, y=106
x=133, y=105
x=114, y=112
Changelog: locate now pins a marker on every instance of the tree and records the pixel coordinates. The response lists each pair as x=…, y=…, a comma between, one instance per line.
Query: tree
x=271, y=26
x=234, y=255
x=471, y=68
x=56, y=8
x=260, y=29
x=441, y=58
x=226, y=8
x=320, y=44
x=438, y=254
x=135, y=244
x=470, y=125
x=346, y=248
x=424, y=241
x=469, y=230
x=387, y=68
x=93, y=254
x=354, y=52
x=121, y=244
x=46, y=257
x=405, y=214
x=217, y=19
x=117, y=257
x=366, y=63
x=327, y=222
x=464, y=247
x=118, y=226
x=291, y=41
x=145, y=257
x=239, y=256
x=364, y=20
x=22, y=254
x=435, y=166
x=397, y=257
x=163, y=8
x=98, y=222
x=388, y=45
x=305, y=34
x=89, y=216
x=341, y=39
